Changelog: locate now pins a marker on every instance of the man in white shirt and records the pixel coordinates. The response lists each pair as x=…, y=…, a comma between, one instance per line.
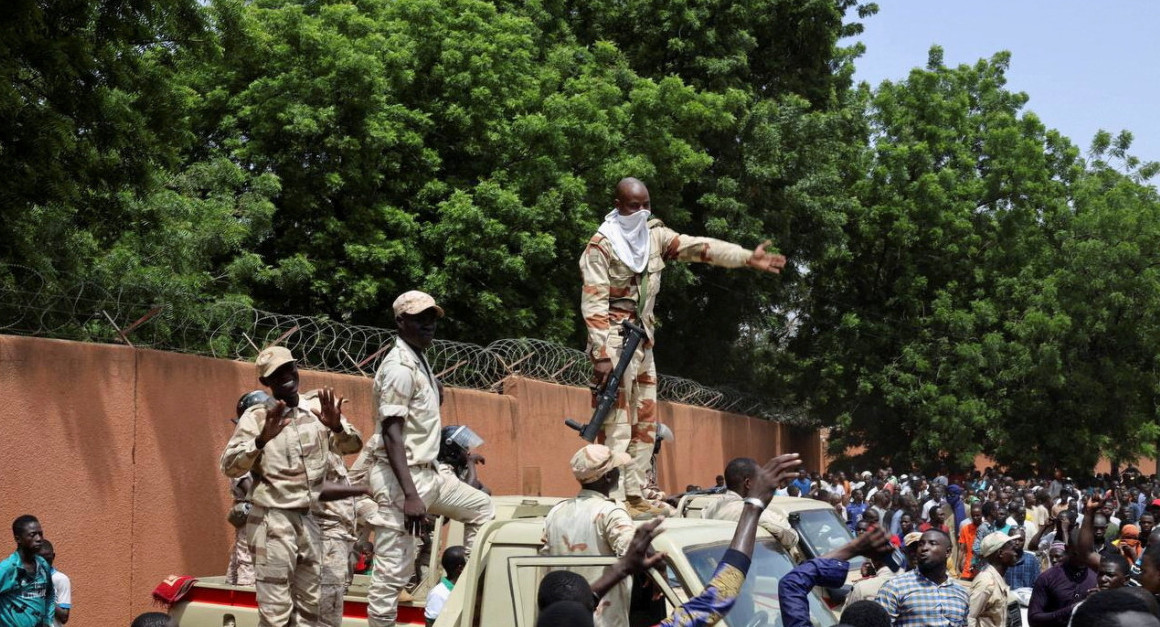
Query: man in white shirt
x=61, y=586
x=454, y=560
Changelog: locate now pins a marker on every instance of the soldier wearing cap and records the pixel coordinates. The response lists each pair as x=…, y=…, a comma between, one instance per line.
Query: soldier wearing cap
x=621, y=269
x=404, y=477
x=989, y=590
x=287, y=443
x=594, y=524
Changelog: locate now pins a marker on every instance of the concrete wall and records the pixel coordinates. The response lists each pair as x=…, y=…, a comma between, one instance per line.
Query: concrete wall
x=116, y=451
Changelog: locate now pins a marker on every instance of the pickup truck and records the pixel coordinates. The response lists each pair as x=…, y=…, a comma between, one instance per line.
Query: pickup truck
x=211, y=602
x=499, y=584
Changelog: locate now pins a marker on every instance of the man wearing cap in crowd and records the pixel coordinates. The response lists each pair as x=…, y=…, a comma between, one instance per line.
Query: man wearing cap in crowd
x=989, y=589
x=621, y=269
x=404, y=478
x=287, y=443
x=594, y=524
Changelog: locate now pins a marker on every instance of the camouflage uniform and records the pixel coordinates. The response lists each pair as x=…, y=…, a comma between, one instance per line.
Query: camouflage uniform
x=611, y=294
x=283, y=537
x=336, y=521
x=730, y=506
x=593, y=524
x=241, y=569
x=404, y=386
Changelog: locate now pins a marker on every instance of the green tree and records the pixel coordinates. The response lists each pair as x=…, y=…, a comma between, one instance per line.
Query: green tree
x=952, y=320
x=470, y=149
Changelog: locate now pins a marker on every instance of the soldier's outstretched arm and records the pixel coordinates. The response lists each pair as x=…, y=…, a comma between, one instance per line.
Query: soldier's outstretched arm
x=692, y=248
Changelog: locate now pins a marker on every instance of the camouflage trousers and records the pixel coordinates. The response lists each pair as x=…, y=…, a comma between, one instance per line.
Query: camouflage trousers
x=632, y=426
x=336, y=574
x=241, y=568
x=287, y=549
x=395, y=546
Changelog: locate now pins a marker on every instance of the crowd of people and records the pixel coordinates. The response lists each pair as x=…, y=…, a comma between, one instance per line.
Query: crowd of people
x=980, y=548
x=305, y=521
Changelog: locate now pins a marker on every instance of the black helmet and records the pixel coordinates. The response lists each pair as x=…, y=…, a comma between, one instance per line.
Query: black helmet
x=249, y=399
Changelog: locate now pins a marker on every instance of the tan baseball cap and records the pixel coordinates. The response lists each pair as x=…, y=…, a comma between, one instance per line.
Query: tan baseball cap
x=993, y=542
x=415, y=302
x=595, y=461
x=272, y=358
x=911, y=538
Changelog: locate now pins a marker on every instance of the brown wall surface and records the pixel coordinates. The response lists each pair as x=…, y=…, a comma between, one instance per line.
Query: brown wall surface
x=116, y=451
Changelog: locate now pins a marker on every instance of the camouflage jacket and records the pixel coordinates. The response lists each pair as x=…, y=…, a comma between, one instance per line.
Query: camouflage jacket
x=611, y=290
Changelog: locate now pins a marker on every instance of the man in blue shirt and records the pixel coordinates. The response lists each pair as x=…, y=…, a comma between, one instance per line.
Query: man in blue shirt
x=26, y=594
x=803, y=483
x=1026, y=569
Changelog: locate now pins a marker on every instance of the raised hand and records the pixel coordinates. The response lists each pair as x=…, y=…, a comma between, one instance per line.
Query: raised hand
x=276, y=420
x=331, y=414
x=772, y=474
x=766, y=262
x=640, y=557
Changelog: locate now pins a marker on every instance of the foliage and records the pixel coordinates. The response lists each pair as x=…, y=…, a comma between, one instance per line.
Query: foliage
x=962, y=278
x=993, y=294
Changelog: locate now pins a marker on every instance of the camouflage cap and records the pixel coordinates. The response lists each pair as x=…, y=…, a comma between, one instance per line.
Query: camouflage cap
x=596, y=460
x=272, y=358
x=911, y=538
x=415, y=302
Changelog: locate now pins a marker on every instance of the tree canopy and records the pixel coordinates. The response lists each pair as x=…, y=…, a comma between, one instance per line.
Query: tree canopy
x=963, y=279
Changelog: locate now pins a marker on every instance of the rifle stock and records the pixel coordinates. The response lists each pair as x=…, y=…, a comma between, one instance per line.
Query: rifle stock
x=606, y=397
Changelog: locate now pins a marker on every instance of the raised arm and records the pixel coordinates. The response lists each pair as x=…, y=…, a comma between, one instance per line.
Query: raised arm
x=718, y=597
x=1087, y=540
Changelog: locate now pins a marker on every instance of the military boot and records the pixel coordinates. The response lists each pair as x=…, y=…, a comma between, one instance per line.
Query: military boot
x=639, y=508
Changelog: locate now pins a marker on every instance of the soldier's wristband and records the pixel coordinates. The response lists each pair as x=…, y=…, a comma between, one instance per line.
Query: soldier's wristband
x=756, y=502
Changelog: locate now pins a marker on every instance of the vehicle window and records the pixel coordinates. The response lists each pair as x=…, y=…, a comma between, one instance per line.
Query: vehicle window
x=821, y=531
x=646, y=602
x=757, y=605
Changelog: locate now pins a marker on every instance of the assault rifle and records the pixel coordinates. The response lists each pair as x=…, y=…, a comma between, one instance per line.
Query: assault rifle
x=606, y=396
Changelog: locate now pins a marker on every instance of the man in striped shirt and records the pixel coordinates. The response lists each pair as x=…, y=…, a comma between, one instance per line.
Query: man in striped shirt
x=926, y=596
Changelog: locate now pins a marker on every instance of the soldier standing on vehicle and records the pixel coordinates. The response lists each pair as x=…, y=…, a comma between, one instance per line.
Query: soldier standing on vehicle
x=404, y=478
x=621, y=269
x=287, y=442
x=740, y=475
x=594, y=524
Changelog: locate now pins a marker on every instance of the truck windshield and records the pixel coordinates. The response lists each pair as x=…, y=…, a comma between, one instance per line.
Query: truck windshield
x=758, y=604
x=822, y=531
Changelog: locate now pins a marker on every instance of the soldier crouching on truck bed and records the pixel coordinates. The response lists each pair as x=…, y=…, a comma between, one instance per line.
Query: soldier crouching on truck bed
x=404, y=478
x=287, y=442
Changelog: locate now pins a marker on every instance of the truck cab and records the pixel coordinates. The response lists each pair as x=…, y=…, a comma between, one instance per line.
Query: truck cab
x=818, y=526
x=502, y=577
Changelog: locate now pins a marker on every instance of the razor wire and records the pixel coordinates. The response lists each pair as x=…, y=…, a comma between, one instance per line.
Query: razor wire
x=31, y=304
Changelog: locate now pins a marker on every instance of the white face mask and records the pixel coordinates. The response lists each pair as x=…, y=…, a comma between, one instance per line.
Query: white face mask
x=629, y=237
